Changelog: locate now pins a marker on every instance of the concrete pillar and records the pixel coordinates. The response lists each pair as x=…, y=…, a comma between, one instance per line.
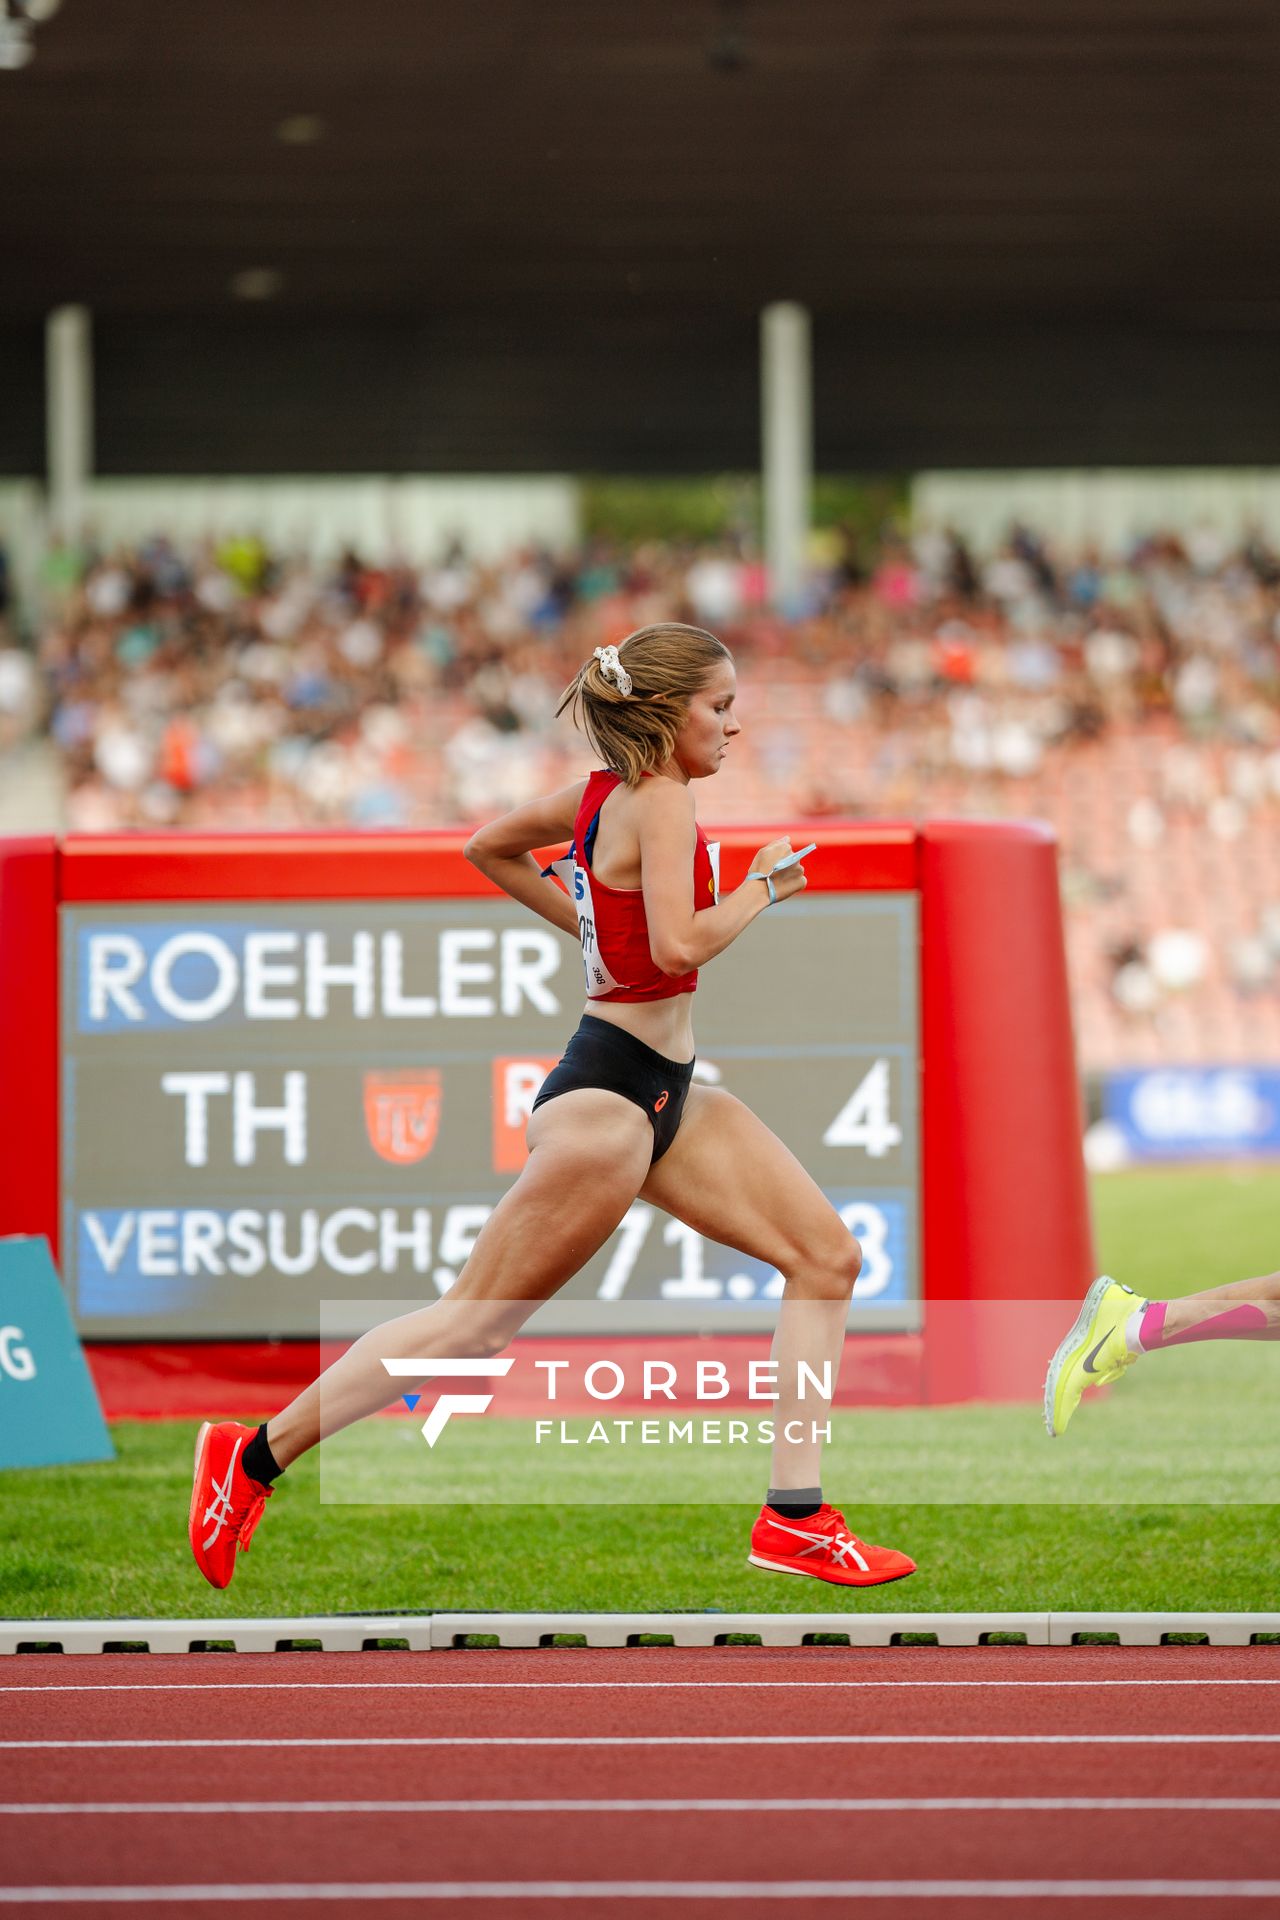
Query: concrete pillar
x=786, y=436
x=68, y=416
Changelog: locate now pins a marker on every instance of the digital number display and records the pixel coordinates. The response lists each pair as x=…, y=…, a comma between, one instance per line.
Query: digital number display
x=265, y=1106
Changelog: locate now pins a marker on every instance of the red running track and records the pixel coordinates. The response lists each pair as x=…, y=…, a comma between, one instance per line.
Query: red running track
x=645, y=1782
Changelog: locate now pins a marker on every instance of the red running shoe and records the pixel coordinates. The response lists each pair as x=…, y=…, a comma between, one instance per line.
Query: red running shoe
x=822, y=1546
x=226, y=1505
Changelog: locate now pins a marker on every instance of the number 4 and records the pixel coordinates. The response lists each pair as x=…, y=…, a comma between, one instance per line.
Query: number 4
x=863, y=1121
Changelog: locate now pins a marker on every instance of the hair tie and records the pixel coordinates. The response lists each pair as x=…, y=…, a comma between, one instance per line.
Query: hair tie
x=612, y=669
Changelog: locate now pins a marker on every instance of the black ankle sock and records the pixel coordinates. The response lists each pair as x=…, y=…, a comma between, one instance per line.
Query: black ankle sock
x=258, y=1460
x=795, y=1503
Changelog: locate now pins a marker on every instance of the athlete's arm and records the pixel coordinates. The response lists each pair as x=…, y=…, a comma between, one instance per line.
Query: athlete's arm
x=679, y=938
x=502, y=852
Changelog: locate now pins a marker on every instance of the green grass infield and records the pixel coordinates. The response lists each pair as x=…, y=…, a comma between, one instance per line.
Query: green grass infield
x=1177, y=1471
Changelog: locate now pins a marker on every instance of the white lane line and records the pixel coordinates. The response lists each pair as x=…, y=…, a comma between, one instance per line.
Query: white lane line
x=672, y=1740
x=589, y=1686
x=22, y=1808
x=600, y=1890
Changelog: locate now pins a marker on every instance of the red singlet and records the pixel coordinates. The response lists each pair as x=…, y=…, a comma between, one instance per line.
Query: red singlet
x=611, y=920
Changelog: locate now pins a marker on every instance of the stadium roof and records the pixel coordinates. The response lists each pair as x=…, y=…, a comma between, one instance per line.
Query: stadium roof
x=1029, y=231
x=877, y=155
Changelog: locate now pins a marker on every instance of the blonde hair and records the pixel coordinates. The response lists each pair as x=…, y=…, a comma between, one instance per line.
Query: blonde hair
x=635, y=733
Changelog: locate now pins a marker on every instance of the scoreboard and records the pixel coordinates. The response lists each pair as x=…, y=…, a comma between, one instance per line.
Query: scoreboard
x=333, y=1095
x=255, y=1073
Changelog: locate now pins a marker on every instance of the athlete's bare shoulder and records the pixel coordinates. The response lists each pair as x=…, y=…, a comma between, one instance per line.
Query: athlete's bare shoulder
x=665, y=799
x=666, y=823
x=652, y=800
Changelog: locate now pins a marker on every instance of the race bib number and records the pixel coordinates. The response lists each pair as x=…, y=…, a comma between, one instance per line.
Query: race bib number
x=578, y=882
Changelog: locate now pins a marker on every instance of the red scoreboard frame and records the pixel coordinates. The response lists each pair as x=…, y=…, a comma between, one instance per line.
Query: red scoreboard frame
x=1004, y=1206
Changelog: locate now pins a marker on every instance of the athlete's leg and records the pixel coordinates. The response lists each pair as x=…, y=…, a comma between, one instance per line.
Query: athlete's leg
x=1115, y=1327
x=726, y=1175
x=588, y=1154
x=1243, y=1310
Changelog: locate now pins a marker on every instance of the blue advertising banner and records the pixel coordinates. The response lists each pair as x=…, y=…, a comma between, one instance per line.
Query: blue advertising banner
x=49, y=1412
x=1175, y=1113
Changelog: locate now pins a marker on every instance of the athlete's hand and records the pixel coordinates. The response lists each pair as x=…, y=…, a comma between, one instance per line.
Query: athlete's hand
x=791, y=879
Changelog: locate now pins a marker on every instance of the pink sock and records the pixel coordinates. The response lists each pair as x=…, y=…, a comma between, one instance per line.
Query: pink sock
x=1151, y=1326
x=1232, y=1324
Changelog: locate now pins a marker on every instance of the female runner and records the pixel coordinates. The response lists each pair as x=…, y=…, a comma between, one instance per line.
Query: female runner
x=1115, y=1327
x=618, y=1119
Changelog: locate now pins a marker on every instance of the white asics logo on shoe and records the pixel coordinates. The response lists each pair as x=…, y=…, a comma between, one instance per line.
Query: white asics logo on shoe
x=840, y=1545
x=219, y=1509
x=449, y=1403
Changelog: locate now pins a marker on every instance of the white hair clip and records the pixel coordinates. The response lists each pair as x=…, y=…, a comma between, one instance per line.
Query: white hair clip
x=612, y=668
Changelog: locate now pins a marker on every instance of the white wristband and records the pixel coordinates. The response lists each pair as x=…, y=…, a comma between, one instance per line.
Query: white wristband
x=787, y=860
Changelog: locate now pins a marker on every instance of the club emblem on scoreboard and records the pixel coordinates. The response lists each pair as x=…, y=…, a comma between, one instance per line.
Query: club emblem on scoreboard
x=402, y=1113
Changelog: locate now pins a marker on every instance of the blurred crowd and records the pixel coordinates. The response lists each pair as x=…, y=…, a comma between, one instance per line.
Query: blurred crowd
x=178, y=685
x=1132, y=698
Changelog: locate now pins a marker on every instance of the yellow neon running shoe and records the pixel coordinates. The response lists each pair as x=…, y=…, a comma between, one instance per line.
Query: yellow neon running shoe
x=1093, y=1352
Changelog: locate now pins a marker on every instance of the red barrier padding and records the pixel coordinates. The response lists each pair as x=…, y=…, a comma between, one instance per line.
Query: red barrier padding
x=1006, y=1212
x=29, y=1038
x=189, y=1380
x=398, y=866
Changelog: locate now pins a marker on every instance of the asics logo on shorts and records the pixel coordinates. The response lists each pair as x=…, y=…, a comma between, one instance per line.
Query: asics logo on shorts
x=660, y=1103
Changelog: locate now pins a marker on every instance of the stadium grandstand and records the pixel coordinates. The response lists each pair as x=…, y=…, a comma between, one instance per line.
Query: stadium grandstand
x=1131, y=698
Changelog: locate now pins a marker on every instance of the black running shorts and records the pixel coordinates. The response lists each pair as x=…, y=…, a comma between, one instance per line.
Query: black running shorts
x=605, y=1056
